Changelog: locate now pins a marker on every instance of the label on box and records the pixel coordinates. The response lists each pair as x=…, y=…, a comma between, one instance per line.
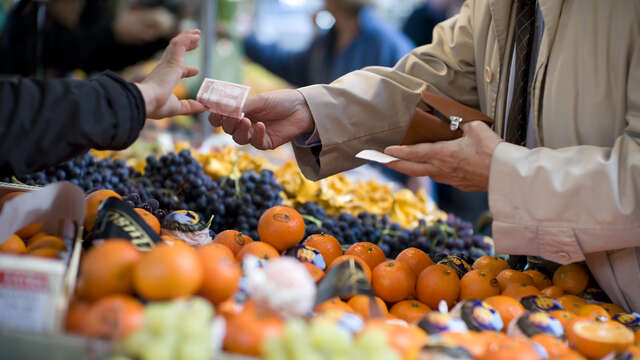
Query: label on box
x=25, y=301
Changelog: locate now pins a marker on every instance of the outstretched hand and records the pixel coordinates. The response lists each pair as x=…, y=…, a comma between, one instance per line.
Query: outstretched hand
x=271, y=119
x=157, y=88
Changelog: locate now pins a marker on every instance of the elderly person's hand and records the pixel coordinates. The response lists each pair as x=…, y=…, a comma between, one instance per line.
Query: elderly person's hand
x=464, y=163
x=271, y=119
x=157, y=88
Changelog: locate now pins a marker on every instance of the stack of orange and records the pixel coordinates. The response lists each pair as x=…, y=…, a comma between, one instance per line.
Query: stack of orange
x=40, y=244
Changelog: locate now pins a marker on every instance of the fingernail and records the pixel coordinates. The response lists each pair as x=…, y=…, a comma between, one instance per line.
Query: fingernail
x=390, y=150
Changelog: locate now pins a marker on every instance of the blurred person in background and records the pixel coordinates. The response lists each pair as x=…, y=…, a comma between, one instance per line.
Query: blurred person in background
x=43, y=123
x=420, y=23
x=357, y=39
x=81, y=34
x=419, y=27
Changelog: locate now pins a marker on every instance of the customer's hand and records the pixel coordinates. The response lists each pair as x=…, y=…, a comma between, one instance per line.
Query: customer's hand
x=157, y=88
x=464, y=163
x=271, y=119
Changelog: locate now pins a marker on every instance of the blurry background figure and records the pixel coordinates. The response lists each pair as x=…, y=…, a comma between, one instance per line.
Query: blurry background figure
x=81, y=34
x=351, y=38
x=419, y=25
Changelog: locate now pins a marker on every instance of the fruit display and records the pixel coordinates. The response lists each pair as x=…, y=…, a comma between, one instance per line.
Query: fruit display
x=240, y=263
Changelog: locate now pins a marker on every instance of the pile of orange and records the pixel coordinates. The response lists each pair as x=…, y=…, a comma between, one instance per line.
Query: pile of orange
x=40, y=245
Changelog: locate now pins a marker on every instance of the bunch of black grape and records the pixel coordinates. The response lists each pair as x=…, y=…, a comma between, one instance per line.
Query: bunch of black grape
x=238, y=203
x=85, y=171
x=451, y=237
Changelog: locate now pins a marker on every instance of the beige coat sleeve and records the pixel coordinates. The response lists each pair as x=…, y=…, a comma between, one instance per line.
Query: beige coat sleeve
x=562, y=204
x=371, y=108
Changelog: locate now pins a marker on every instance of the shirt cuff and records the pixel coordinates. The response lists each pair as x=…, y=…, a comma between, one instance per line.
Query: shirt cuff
x=308, y=140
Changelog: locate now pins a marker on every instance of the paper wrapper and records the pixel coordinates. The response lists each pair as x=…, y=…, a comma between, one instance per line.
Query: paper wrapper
x=377, y=156
x=222, y=97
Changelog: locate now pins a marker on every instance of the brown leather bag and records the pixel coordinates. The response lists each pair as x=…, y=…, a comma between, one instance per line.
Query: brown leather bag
x=438, y=119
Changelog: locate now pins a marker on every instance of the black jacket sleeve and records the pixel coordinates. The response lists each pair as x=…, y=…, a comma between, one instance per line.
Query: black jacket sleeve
x=43, y=123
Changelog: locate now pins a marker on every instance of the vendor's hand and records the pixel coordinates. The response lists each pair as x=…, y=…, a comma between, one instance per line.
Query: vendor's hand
x=271, y=119
x=157, y=88
x=140, y=26
x=464, y=163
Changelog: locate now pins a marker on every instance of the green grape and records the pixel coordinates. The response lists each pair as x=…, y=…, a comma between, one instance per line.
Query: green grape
x=135, y=342
x=160, y=348
x=200, y=307
x=194, y=350
x=296, y=340
x=372, y=341
x=192, y=324
x=274, y=349
x=161, y=317
x=328, y=339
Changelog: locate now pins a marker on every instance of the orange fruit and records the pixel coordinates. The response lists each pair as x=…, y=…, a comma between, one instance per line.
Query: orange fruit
x=595, y=339
x=612, y=309
x=479, y=285
x=232, y=239
x=49, y=241
x=571, y=302
x=282, y=227
x=594, y=312
x=393, y=281
x=342, y=258
x=405, y=340
x=540, y=280
x=93, y=204
x=508, y=308
x=221, y=273
x=361, y=305
x=518, y=291
x=35, y=237
x=29, y=230
x=316, y=273
x=151, y=220
x=474, y=342
x=553, y=345
x=333, y=304
x=45, y=252
x=259, y=249
x=13, y=245
x=565, y=317
x=328, y=246
x=510, y=276
x=76, y=315
x=490, y=264
x=438, y=282
x=572, y=278
x=107, y=268
x=508, y=348
x=369, y=252
x=168, y=272
x=410, y=311
x=248, y=329
x=552, y=291
x=114, y=317
x=570, y=355
x=637, y=337
x=417, y=259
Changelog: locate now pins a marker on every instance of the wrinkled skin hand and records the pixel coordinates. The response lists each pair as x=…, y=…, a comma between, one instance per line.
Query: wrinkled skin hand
x=463, y=163
x=271, y=119
x=157, y=88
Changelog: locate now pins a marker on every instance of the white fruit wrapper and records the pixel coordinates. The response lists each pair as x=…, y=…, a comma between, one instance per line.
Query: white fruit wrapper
x=377, y=156
x=223, y=97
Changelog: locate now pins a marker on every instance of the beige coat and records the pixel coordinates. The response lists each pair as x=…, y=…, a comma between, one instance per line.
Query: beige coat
x=575, y=198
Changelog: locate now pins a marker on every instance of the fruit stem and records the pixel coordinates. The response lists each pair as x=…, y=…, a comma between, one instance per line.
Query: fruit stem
x=314, y=220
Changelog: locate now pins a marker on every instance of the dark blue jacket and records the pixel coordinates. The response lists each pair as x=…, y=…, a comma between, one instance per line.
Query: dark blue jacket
x=376, y=44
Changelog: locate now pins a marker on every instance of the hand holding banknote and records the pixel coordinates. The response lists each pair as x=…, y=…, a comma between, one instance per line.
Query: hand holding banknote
x=270, y=120
x=157, y=88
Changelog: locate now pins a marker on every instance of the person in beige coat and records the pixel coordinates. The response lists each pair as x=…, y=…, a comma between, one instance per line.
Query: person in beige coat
x=573, y=195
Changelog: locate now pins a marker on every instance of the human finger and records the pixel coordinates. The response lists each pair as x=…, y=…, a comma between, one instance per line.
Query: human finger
x=412, y=168
x=242, y=134
x=216, y=119
x=229, y=124
x=189, y=71
x=259, y=138
x=189, y=107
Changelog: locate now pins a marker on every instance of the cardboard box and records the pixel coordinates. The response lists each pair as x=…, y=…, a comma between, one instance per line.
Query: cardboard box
x=34, y=292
